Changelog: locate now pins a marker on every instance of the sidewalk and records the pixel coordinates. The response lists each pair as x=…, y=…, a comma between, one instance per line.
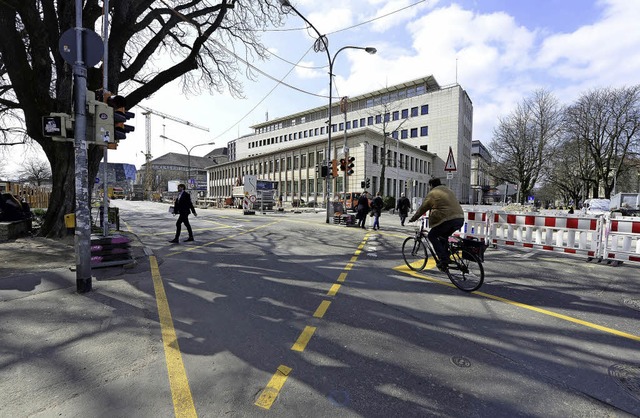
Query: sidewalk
x=69, y=354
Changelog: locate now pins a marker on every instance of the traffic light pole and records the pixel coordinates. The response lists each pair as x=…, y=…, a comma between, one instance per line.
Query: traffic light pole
x=105, y=79
x=82, y=230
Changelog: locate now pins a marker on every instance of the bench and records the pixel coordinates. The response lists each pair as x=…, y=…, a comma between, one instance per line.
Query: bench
x=13, y=229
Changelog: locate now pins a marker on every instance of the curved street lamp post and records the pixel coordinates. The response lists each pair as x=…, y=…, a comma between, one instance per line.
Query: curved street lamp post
x=322, y=44
x=188, y=153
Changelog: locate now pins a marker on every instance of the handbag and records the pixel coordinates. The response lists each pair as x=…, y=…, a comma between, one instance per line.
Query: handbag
x=171, y=210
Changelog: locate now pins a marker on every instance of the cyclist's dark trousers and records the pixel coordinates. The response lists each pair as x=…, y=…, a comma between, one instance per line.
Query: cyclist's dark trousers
x=183, y=219
x=438, y=236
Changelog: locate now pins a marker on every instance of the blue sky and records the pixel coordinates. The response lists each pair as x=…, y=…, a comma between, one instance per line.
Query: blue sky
x=499, y=51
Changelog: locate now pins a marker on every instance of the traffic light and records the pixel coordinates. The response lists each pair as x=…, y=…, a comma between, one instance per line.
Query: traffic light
x=350, y=166
x=368, y=182
x=100, y=125
x=334, y=168
x=58, y=126
x=363, y=184
x=120, y=116
x=323, y=170
x=343, y=164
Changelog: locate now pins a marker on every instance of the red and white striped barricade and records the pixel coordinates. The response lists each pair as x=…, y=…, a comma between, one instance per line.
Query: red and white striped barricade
x=476, y=225
x=567, y=234
x=622, y=240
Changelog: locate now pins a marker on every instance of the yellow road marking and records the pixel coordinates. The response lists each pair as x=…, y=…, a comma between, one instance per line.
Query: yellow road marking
x=334, y=289
x=271, y=391
x=322, y=309
x=547, y=312
x=180, y=392
x=349, y=266
x=192, y=248
x=342, y=277
x=304, y=338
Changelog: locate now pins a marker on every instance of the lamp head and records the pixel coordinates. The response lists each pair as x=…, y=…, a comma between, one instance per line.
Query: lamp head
x=371, y=50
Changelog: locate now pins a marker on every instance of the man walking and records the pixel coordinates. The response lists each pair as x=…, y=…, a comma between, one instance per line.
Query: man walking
x=403, y=208
x=183, y=207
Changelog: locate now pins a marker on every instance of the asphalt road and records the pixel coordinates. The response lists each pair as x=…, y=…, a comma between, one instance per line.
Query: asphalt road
x=284, y=315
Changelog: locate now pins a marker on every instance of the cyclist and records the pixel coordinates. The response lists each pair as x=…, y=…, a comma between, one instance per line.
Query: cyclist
x=445, y=218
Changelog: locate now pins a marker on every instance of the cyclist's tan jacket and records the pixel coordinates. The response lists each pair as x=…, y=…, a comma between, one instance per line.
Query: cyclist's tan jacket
x=443, y=206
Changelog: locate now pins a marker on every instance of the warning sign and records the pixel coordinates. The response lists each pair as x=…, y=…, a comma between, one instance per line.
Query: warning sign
x=450, y=165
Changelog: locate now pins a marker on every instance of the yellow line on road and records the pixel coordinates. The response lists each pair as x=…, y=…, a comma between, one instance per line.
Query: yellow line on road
x=180, y=392
x=322, y=309
x=304, y=338
x=210, y=243
x=613, y=331
x=271, y=391
x=334, y=289
x=342, y=277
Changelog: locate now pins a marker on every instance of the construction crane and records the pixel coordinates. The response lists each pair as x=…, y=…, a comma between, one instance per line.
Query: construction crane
x=148, y=181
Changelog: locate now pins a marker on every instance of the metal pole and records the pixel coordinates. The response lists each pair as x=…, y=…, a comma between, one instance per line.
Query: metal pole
x=105, y=78
x=346, y=159
x=329, y=132
x=83, y=231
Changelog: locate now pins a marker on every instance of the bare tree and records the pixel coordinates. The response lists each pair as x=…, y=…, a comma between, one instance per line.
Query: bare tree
x=203, y=38
x=572, y=172
x=524, y=141
x=607, y=121
x=35, y=170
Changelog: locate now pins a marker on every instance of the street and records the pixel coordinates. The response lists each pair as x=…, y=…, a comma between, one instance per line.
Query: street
x=280, y=314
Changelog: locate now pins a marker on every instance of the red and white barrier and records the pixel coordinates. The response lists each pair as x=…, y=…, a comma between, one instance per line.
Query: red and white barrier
x=476, y=225
x=622, y=240
x=566, y=234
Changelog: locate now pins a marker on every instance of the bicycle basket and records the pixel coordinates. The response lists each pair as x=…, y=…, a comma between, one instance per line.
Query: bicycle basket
x=475, y=247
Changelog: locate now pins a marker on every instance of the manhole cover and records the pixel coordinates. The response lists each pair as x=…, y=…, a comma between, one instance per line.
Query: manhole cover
x=627, y=376
x=632, y=303
x=461, y=361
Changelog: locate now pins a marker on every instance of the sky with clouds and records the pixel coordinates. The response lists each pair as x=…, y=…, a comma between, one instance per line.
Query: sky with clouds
x=499, y=51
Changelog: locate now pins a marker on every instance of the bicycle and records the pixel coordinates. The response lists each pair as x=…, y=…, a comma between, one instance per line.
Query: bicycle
x=465, y=269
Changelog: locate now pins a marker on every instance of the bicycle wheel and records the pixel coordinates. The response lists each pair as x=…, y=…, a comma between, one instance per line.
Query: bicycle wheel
x=414, y=253
x=467, y=273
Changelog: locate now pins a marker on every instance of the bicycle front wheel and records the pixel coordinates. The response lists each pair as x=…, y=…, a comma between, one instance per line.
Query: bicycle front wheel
x=467, y=274
x=414, y=253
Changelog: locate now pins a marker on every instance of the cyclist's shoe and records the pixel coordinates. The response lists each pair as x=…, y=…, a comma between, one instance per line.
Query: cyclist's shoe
x=443, y=265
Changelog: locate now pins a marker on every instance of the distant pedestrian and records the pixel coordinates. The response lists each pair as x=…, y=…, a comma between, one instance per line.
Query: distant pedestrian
x=403, y=207
x=363, y=209
x=376, y=210
x=182, y=207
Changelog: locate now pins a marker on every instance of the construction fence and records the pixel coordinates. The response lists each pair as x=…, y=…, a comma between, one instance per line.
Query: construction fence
x=603, y=237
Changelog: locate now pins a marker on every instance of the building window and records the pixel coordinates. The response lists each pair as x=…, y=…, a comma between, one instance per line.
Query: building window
x=341, y=126
x=361, y=122
x=288, y=163
x=378, y=118
x=355, y=123
x=405, y=113
x=394, y=134
x=424, y=131
x=348, y=125
x=414, y=132
x=386, y=117
x=375, y=154
x=414, y=111
x=424, y=109
x=403, y=134
x=370, y=120
x=395, y=115
x=296, y=163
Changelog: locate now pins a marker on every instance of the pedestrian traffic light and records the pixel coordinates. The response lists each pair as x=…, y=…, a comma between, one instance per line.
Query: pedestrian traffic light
x=368, y=182
x=343, y=164
x=363, y=184
x=323, y=170
x=334, y=168
x=350, y=165
x=100, y=126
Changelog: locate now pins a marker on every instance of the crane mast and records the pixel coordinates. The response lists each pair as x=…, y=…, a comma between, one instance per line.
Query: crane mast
x=148, y=180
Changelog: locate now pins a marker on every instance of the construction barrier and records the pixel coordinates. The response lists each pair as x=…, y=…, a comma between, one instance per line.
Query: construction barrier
x=621, y=240
x=613, y=240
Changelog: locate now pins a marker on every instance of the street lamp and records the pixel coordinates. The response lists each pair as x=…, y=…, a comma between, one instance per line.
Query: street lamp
x=188, y=153
x=322, y=44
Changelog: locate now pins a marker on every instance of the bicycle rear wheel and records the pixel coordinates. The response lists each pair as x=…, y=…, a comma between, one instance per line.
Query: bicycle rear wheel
x=467, y=273
x=414, y=253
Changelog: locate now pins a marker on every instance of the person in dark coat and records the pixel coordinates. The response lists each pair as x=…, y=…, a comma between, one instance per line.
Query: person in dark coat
x=183, y=206
x=404, y=204
x=376, y=210
x=363, y=209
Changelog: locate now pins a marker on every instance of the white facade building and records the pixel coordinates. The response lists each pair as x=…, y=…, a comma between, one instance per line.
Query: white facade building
x=413, y=123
